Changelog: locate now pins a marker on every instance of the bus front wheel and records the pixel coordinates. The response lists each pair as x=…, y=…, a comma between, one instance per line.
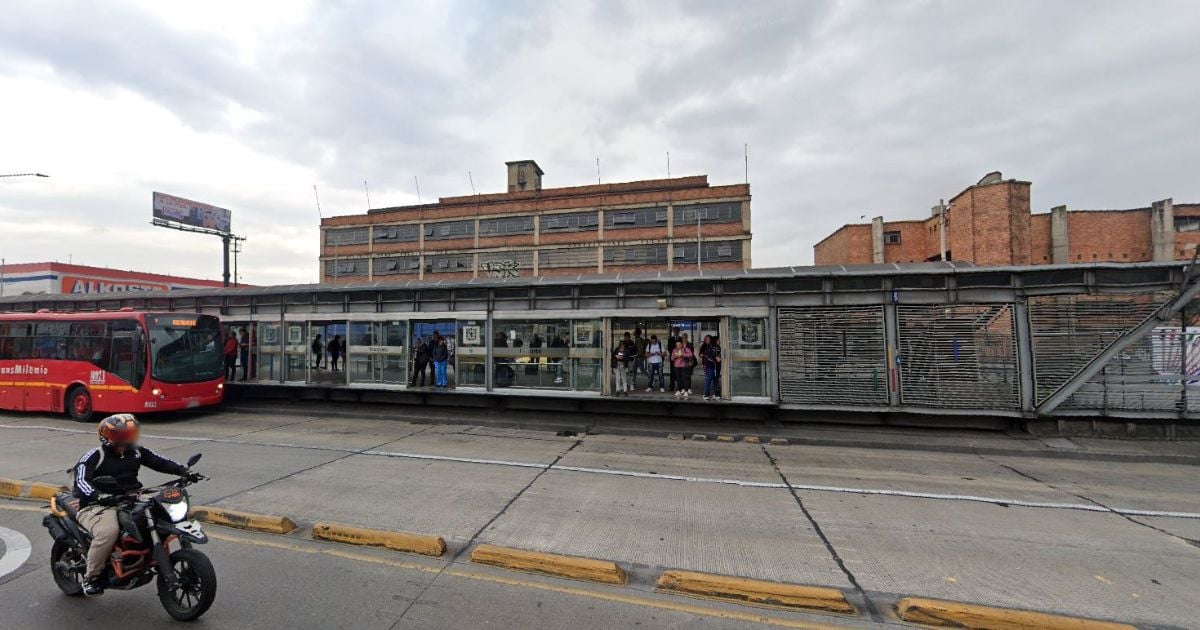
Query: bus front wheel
x=79, y=404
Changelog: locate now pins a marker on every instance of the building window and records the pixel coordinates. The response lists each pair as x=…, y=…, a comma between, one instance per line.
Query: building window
x=448, y=262
x=575, y=222
x=346, y=268
x=1187, y=224
x=449, y=229
x=346, y=236
x=397, y=233
x=714, y=251
x=635, y=218
x=396, y=265
x=728, y=212
x=567, y=257
x=506, y=225
x=891, y=238
x=636, y=255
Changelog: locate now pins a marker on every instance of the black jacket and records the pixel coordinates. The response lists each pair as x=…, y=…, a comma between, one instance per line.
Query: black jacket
x=105, y=462
x=440, y=352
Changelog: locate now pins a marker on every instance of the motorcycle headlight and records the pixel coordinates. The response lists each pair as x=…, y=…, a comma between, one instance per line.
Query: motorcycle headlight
x=176, y=511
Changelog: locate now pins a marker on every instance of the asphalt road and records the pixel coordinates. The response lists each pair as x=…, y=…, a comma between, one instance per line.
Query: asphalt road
x=1103, y=539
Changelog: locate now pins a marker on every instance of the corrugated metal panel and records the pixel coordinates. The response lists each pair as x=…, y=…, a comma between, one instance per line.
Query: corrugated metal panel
x=958, y=356
x=832, y=355
x=1069, y=330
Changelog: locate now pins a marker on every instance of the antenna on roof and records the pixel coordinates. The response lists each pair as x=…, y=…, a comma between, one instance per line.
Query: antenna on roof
x=470, y=177
x=597, y=169
x=368, y=191
x=318, y=198
x=746, y=158
x=418, y=188
x=668, y=165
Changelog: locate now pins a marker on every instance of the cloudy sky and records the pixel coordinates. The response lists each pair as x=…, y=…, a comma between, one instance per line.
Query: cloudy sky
x=848, y=108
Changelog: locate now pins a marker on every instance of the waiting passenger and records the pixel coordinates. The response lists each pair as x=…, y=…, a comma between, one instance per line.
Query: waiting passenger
x=654, y=364
x=318, y=350
x=420, y=362
x=672, y=341
x=710, y=355
x=639, y=358
x=440, y=353
x=681, y=357
x=231, y=349
x=335, y=350
x=621, y=359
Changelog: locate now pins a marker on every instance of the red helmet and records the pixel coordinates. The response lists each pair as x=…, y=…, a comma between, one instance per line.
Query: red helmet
x=120, y=430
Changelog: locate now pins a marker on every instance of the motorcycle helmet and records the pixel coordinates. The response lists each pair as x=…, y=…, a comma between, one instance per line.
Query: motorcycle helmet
x=119, y=431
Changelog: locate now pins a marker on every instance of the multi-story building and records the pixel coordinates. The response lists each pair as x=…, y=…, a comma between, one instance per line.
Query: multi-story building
x=649, y=225
x=55, y=278
x=990, y=223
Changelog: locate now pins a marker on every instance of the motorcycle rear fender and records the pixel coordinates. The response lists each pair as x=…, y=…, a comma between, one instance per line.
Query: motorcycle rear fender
x=57, y=529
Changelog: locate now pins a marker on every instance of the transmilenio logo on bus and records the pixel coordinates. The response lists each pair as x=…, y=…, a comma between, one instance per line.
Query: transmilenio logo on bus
x=25, y=369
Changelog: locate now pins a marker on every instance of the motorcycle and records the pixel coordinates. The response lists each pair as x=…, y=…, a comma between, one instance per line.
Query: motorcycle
x=155, y=539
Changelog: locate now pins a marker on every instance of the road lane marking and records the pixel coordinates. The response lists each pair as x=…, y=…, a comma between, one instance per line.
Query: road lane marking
x=910, y=494
x=618, y=597
x=16, y=550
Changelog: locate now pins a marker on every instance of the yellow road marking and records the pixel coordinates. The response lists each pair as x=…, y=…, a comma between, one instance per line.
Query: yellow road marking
x=623, y=598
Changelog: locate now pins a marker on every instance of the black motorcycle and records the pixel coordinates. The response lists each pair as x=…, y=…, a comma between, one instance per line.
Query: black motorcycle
x=156, y=540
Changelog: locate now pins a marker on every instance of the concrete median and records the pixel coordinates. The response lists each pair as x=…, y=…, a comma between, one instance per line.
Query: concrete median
x=572, y=567
x=933, y=612
x=755, y=592
x=44, y=491
x=21, y=489
x=397, y=541
x=269, y=523
x=11, y=487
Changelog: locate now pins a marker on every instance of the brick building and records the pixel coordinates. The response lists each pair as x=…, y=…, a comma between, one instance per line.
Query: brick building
x=990, y=223
x=648, y=225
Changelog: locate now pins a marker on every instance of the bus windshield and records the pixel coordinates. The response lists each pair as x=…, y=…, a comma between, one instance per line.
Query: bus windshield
x=185, y=348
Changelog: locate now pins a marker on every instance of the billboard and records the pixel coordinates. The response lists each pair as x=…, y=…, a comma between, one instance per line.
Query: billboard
x=193, y=213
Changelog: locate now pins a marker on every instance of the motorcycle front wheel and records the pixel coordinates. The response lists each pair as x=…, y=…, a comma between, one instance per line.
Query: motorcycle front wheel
x=62, y=558
x=195, y=585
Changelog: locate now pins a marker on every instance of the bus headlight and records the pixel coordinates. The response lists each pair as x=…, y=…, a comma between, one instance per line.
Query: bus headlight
x=156, y=392
x=220, y=386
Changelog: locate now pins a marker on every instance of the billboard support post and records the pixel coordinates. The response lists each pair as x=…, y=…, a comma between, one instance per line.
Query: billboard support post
x=225, y=247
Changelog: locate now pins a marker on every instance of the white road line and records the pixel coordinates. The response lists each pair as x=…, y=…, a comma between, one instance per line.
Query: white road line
x=1083, y=507
x=16, y=550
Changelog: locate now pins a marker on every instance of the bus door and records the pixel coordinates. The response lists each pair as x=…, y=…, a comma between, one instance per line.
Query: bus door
x=124, y=357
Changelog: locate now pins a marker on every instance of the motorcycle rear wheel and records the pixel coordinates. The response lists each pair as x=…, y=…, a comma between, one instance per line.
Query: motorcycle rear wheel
x=70, y=582
x=195, y=588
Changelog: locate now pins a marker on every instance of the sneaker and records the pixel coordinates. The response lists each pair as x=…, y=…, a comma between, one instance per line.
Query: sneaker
x=92, y=588
x=706, y=398
x=678, y=393
x=686, y=393
x=662, y=390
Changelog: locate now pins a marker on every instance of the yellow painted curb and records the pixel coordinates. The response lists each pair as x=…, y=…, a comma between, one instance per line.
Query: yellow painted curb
x=396, y=541
x=244, y=520
x=935, y=612
x=751, y=439
x=44, y=490
x=725, y=438
x=755, y=592
x=549, y=563
x=779, y=442
x=11, y=487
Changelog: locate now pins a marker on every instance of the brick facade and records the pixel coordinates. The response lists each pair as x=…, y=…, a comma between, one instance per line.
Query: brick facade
x=637, y=218
x=991, y=223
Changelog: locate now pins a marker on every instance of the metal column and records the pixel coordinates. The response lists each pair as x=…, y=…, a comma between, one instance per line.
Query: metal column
x=1024, y=354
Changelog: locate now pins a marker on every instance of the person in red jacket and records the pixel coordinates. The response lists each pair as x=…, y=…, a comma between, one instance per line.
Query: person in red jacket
x=231, y=352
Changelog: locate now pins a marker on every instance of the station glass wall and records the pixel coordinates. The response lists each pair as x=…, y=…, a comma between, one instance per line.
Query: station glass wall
x=748, y=356
x=559, y=354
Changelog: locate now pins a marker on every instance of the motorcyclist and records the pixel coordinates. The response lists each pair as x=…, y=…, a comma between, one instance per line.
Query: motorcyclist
x=119, y=456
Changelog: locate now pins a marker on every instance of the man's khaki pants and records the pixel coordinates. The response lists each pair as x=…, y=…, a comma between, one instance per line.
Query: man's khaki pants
x=101, y=522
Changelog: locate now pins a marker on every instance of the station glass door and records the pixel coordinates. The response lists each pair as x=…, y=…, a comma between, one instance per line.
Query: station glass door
x=328, y=367
x=377, y=352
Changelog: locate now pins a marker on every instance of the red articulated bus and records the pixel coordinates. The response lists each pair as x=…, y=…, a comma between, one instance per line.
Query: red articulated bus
x=109, y=362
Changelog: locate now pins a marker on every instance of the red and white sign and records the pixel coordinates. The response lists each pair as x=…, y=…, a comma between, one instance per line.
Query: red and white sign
x=77, y=284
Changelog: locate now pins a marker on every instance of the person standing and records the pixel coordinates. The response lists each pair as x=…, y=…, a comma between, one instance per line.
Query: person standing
x=334, y=348
x=231, y=351
x=710, y=357
x=681, y=356
x=654, y=364
x=244, y=346
x=318, y=350
x=620, y=366
x=440, y=354
x=639, y=357
x=672, y=341
x=420, y=362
